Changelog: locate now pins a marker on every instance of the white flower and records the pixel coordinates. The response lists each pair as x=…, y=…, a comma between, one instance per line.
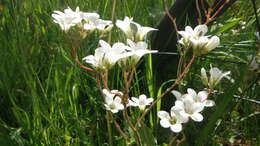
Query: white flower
x=104, y=25
x=125, y=26
x=67, y=19
x=133, y=30
x=195, y=38
x=198, y=31
x=201, y=97
x=93, y=22
x=216, y=76
x=172, y=120
x=189, y=108
x=106, y=56
x=112, y=102
x=137, y=51
x=141, y=102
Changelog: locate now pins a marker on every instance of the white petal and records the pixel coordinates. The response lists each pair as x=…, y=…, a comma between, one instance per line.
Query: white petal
x=142, y=98
x=163, y=115
x=192, y=92
x=213, y=43
x=117, y=99
x=197, y=117
x=165, y=123
x=119, y=106
x=179, y=103
x=114, y=111
x=104, y=44
x=197, y=107
x=177, y=94
x=136, y=100
x=203, y=95
x=182, y=118
x=209, y=103
x=176, y=128
x=149, y=100
x=201, y=30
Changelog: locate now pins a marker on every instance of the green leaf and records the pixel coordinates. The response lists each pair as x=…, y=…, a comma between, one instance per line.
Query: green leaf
x=230, y=24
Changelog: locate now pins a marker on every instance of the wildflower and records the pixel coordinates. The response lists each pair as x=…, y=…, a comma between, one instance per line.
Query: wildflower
x=216, y=76
x=141, y=102
x=195, y=38
x=106, y=56
x=136, y=51
x=201, y=97
x=189, y=108
x=133, y=30
x=172, y=120
x=125, y=26
x=112, y=102
x=67, y=19
x=92, y=22
x=87, y=21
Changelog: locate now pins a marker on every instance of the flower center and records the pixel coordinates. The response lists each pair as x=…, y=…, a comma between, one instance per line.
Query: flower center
x=112, y=106
x=188, y=111
x=173, y=121
x=142, y=102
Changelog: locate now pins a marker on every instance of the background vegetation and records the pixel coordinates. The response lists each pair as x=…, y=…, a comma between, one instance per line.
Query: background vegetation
x=45, y=99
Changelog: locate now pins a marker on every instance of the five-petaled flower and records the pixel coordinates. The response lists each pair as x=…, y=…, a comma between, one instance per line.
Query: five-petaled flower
x=141, y=102
x=106, y=56
x=113, y=102
x=188, y=107
x=172, y=120
x=136, y=51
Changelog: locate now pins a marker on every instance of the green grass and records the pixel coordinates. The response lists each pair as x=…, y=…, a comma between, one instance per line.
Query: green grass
x=45, y=99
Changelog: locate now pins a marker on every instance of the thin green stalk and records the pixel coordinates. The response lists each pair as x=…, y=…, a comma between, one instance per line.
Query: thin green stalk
x=110, y=136
x=113, y=19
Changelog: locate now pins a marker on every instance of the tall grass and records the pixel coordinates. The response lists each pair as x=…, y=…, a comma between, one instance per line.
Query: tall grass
x=45, y=99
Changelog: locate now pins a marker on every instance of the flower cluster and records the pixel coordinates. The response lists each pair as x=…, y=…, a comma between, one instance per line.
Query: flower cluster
x=85, y=20
x=196, y=39
x=105, y=56
x=140, y=102
x=113, y=101
x=187, y=106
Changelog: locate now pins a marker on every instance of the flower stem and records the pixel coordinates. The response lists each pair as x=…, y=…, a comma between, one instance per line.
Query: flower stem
x=110, y=137
x=173, y=140
x=127, y=81
x=137, y=135
x=126, y=137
